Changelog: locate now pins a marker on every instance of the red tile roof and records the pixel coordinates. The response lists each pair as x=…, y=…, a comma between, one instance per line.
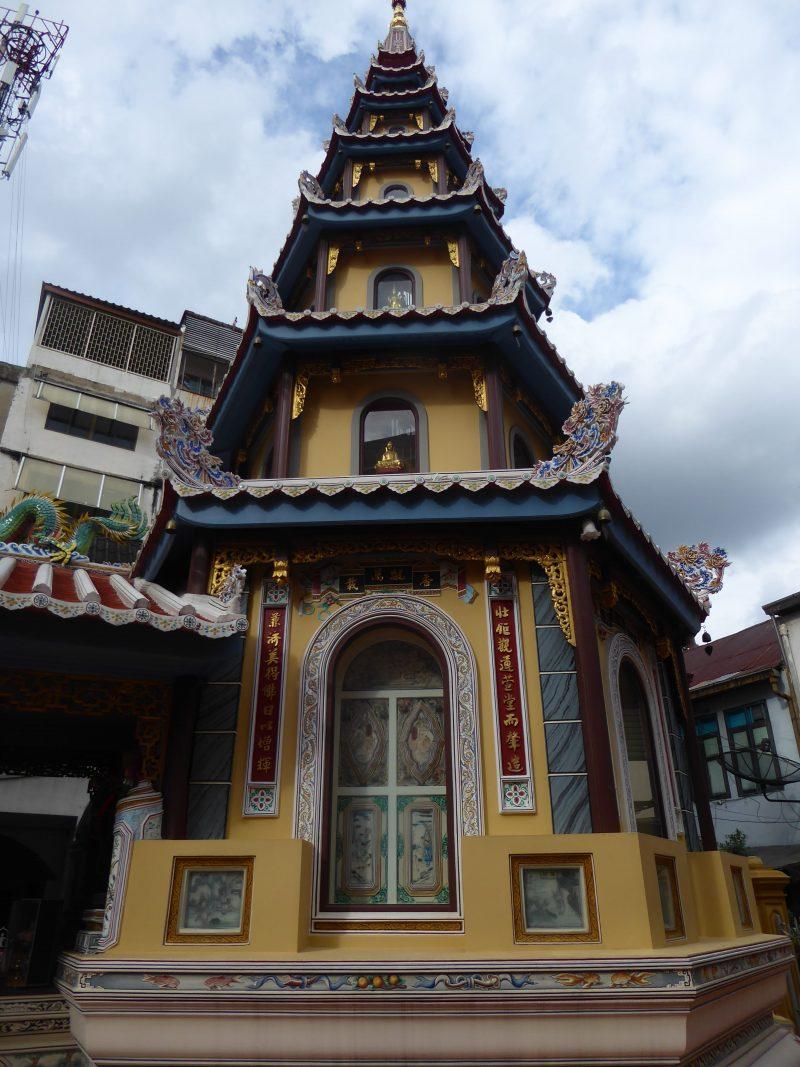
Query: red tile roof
x=37, y=585
x=755, y=649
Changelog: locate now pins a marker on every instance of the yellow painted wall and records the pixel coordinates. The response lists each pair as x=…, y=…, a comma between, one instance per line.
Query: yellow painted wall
x=624, y=865
x=353, y=272
x=472, y=619
x=514, y=416
x=370, y=185
x=326, y=423
x=624, y=871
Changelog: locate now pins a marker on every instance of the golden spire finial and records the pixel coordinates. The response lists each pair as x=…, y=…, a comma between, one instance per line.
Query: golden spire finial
x=399, y=15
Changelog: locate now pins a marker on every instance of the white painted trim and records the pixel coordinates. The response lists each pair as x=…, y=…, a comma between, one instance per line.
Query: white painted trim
x=319, y=659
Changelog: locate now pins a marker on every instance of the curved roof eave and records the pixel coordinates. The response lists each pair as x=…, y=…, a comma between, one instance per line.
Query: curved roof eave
x=446, y=138
x=315, y=217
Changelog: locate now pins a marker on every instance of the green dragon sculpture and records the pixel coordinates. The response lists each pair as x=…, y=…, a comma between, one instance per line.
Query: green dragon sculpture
x=56, y=538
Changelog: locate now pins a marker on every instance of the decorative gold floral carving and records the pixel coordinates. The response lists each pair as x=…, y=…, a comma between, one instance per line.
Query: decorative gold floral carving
x=226, y=557
x=373, y=122
x=553, y=561
x=550, y=557
x=452, y=248
x=357, y=171
x=419, y=119
x=364, y=364
x=280, y=571
x=433, y=167
x=333, y=258
x=492, y=568
x=479, y=387
x=299, y=397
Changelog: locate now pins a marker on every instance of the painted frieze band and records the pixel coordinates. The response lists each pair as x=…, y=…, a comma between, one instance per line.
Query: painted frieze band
x=263, y=762
x=511, y=715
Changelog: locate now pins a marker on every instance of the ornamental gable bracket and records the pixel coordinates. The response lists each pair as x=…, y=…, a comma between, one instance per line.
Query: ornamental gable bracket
x=183, y=444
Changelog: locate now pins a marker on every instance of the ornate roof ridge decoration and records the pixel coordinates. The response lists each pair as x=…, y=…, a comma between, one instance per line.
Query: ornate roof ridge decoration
x=375, y=64
x=511, y=280
x=262, y=292
x=310, y=188
x=55, y=538
x=448, y=122
x=701, y=568
x=581, y=459
x=183, y=442
x=386, y=94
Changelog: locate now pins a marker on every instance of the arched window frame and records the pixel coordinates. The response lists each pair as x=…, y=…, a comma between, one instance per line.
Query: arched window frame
x=315, y=709
x=388, y=403
x=395, y=396
x=392, y=268
x=517, y=434
x=358, y=642
x=408, y=191
x=622, y=649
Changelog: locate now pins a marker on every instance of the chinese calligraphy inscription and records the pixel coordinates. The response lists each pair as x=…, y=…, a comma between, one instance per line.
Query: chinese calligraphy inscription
x=261, y=794
x=513, y=747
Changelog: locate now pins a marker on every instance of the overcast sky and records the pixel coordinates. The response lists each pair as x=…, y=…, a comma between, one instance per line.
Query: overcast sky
x=651, y=150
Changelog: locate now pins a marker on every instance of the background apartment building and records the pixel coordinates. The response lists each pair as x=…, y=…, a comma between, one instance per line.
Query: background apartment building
x=78, y=425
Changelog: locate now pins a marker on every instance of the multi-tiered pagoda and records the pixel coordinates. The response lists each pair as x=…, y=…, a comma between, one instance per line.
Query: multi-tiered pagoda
x=451, y=807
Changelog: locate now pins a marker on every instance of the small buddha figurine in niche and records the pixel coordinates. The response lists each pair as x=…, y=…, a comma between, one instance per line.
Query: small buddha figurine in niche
x=390, y=462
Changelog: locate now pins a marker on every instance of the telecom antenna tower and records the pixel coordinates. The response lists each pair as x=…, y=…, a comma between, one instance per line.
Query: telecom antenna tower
x=29, y=50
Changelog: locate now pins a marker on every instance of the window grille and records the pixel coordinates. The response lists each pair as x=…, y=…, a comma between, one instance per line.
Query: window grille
x=151, y=354
x=108, y=339
x=68, y=327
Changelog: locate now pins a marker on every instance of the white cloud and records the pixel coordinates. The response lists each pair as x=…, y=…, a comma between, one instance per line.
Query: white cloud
x=651, y=155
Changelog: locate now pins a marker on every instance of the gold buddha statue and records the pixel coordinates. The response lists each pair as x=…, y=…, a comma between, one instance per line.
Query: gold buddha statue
x=390, y=462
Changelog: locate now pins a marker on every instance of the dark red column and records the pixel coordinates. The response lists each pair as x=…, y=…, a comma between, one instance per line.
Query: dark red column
x=198, y=567
x=494, y=420
x=321, y=282
x=283, y=424
x=596, y=743
x=464, y=270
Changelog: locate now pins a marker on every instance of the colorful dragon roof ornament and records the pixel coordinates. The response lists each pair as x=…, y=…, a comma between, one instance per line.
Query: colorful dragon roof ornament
x=52, y=537
x=183, y=443
x=701, y=568
x=590, y=431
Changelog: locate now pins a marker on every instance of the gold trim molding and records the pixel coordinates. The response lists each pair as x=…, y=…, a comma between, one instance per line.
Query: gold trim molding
x=550, y=557
x=299, y=395
x=333, y=258
x=452, y=248
x=479, y=388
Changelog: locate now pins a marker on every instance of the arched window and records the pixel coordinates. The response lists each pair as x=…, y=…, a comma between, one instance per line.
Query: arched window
x=395, y=289
x=521, y=453
x=389, y=819
x=642, y=764
x=389, y=438
x=396, y=191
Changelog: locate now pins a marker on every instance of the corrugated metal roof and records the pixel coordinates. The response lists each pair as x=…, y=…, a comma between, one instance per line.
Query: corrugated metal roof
x=755, y=649
x=209, y=336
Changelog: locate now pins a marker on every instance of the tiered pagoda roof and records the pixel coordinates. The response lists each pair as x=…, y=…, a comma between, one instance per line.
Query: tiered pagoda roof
x=507, y=321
